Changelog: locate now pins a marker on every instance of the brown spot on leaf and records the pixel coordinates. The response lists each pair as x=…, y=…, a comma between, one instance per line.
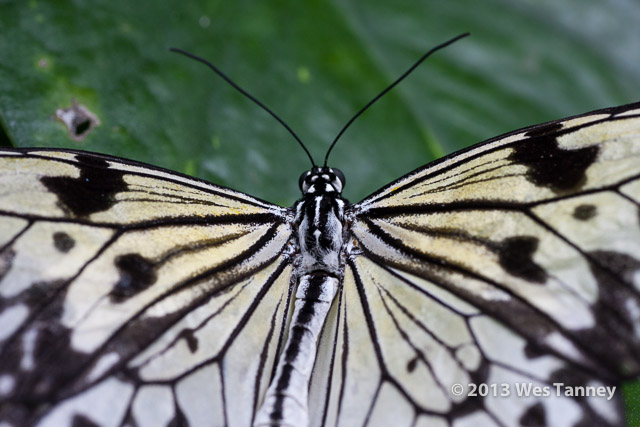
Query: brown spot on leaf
x=78, y=120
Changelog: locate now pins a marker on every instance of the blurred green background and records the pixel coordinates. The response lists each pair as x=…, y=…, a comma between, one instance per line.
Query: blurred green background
x=315, y=63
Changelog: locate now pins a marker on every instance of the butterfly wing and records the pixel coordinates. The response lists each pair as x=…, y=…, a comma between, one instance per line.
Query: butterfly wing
x=125, y=287
x=513, y=264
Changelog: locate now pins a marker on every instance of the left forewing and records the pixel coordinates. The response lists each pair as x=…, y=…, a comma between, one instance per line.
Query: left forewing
x=122, y=284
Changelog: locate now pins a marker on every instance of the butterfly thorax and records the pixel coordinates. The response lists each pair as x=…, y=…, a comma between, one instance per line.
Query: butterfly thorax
x=319, y=217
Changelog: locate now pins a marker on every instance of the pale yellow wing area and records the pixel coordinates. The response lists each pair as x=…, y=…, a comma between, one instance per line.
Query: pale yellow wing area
x=125, y=287
x=403, y=351
x=515, y=263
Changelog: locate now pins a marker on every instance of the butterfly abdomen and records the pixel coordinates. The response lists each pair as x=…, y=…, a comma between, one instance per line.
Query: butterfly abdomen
x=286, y=401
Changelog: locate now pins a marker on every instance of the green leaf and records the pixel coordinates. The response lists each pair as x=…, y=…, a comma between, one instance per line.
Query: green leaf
x=315, y=63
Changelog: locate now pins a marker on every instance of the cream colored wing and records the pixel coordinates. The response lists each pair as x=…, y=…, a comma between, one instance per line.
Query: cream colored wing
x=510, y=267
x=125, y=287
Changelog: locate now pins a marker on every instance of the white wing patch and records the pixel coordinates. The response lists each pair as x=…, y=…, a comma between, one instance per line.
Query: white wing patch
x=103, y=404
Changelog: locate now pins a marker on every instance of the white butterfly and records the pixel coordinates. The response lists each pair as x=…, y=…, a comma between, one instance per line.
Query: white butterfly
x=491, y=287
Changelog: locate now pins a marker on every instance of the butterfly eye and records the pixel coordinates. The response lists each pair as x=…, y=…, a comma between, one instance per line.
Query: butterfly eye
x=338, y=173
x=302, y=179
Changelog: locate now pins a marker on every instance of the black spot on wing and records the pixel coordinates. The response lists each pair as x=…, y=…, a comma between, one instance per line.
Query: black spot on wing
x=550, y=166
x=516, y=256
x=93, y=191
x=585, y=212
x=80, y=420
x=533, y=351
x=534, y=416
x=191, y=339
x=411, y=365
x=136, y=274
x=63, y=242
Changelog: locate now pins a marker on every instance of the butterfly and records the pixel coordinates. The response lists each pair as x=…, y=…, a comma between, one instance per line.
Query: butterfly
x=499, y=285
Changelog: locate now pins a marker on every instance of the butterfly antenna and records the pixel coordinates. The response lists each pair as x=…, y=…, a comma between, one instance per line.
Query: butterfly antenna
x=247, y=94
x=391, y=86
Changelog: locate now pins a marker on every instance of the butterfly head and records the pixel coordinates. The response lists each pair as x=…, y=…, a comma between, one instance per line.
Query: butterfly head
x=321, y=180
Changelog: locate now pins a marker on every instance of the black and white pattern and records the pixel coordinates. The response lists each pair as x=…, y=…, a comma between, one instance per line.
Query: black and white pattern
x=132, y=295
